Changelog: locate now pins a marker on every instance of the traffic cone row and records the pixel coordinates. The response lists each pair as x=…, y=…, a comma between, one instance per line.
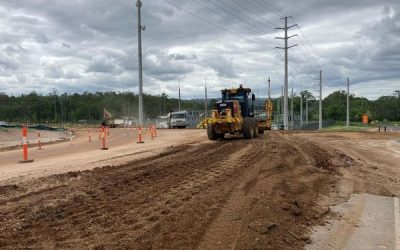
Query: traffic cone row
x=103, y=133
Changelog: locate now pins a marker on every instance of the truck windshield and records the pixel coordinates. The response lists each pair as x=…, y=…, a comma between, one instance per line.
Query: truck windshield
x=178, y=116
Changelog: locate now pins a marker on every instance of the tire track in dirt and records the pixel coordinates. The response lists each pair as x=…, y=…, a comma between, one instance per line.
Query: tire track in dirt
x=223, y=231
x=280, y=176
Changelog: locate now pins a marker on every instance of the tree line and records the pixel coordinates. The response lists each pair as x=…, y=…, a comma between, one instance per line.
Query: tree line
x=88, y=107
x=85, y=107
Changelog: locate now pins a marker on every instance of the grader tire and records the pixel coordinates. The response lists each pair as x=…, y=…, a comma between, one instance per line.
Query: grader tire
x=248, y=128
x=255, y=132
x=211, y=134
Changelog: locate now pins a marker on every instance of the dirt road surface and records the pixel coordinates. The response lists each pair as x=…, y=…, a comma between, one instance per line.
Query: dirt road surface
x=266, y=193
x=79, y=154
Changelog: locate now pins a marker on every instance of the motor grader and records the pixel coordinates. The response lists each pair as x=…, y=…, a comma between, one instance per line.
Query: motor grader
x=234, y=114
x=264, y=117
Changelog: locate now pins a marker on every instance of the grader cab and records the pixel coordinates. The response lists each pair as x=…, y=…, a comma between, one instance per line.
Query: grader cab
x=234, y=114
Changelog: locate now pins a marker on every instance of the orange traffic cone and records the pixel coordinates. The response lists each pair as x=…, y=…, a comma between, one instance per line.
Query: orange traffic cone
x=140, y=136
x=103, y=139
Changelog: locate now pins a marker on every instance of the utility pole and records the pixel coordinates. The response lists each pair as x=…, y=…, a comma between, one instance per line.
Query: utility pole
x=55, y=105
x=269, y=89
x=286, y=48
x=278, y=109
x=165, y=95
x=348, y=103
x=179, y=103
x=306, y=110
x=205, y=97
x=320, y=101
x=301, y=105
x=291, y=111
x=62, y=112
x=281, y=100
x=268, y=106
x=140, y=28
x=128, y=108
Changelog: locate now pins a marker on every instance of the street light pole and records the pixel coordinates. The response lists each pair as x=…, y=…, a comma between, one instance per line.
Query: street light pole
x=140, y=28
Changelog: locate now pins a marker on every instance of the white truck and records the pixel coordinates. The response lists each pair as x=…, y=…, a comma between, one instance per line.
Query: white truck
x=177, y=119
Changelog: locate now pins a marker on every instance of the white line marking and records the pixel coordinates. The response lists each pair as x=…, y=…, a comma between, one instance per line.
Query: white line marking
x=397, y=223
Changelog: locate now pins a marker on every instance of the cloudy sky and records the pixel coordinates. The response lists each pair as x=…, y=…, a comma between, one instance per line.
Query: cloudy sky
x=91, y=45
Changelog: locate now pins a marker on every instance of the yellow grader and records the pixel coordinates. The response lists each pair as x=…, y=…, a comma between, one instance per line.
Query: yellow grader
x=234, y=114
x=264, y=119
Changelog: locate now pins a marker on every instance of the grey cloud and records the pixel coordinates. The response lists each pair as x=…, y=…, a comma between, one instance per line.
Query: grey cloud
x=55, y=71
x=179, y=57
x=72, y=74
x=66, y=45
x=41, y=38
x=222, y=66
x=31, y=20
x=162, y=67
x=21, y=78
x=101, y=64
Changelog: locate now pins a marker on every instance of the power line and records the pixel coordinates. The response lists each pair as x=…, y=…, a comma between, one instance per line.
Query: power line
x=235, y=15
x=268, y=8
x=209, y=22
x=245, y=8
x=301, y=52
x=248, y=16
x=313, y=54
x=230, y=13
x=238, y=17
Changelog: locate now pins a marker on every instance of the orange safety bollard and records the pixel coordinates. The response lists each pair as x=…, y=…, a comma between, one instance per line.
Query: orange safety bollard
x=140, y=136
x=39, y=142
x=90, y=135
x=103, y=139
x=25, y=146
